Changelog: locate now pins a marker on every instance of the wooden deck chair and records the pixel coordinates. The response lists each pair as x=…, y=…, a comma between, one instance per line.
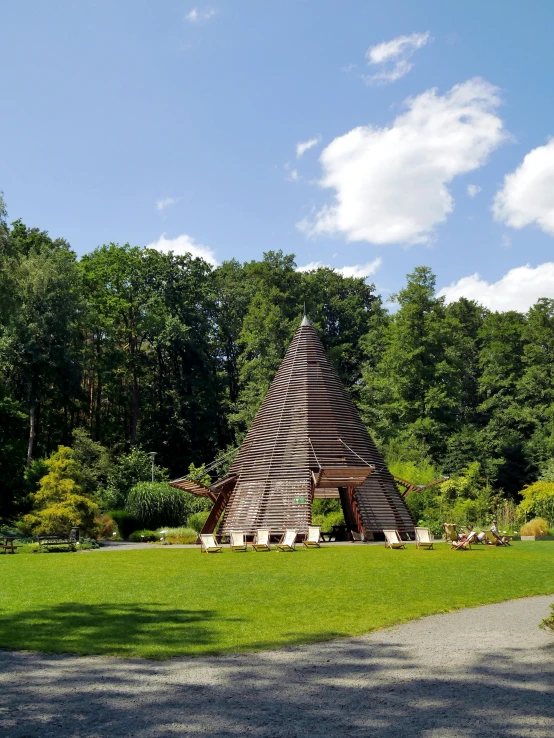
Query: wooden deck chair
x=208, y=544
x=261, y=541
x=312, y=539
x=451, y=534
x=393, y=540
x=238, y=541
x=287, y=542
x=496, y=540
x=424, y=538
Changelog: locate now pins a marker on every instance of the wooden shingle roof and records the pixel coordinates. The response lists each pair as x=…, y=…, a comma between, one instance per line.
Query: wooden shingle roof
x=306, y=434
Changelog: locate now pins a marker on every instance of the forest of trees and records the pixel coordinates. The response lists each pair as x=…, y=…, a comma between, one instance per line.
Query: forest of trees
x=134, y=348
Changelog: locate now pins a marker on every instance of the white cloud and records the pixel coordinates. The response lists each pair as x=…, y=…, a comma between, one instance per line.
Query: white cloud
x=528, y=193
x=196, y=15
x=182, y=245
x=303, y=146
x=166, y=202
x=356, y=270
x=391, y=183
x=519, y=289
x=473, y=190
x=292, y=174
x=393, y=57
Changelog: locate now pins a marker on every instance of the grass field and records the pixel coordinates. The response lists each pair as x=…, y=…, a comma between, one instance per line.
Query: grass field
x=159, y=603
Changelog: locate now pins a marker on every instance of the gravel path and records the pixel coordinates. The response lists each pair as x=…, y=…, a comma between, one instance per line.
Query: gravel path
x=482, y=672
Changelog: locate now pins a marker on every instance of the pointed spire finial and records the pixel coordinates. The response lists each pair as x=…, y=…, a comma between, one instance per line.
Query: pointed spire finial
x=305, y=320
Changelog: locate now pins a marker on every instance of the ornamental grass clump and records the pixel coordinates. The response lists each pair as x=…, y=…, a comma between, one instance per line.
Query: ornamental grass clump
x=178, y=535
x=144, y=536
x=535, y=527
x=157, y=504
x=196, y=520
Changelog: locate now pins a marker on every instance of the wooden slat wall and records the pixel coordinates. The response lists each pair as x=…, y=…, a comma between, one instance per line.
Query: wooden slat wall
x=298, y=429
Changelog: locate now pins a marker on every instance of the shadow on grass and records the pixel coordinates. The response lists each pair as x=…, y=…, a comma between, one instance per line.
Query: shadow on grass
x=357, y=690
x=134, y=631
x=118, y=629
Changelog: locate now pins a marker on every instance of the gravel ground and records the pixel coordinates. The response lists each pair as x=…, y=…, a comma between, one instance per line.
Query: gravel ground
x=483, y=672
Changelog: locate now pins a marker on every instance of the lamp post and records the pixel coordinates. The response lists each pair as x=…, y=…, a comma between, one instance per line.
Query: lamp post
x=152, y=454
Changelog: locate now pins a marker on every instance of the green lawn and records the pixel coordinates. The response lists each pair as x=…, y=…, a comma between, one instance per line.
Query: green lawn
x=165, y=602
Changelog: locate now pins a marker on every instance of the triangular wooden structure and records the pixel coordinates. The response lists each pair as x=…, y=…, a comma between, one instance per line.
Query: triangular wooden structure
x=306, y=441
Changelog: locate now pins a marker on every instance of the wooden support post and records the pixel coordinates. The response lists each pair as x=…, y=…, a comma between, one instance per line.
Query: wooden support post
x=216, y=512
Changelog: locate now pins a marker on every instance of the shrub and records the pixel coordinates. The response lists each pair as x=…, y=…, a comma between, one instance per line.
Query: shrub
x=141, y=536
x=334, y=518
x=157, y=504
x=178, y=535
x=60, y=502
x=129, y=470
x=197, y=520
x=549, y=622
x=199, y=474
x=538, y=500
x=317, y=519
x=535, y=527
x=125, y=522
x=105, y=526
x=435, y=526
x=325, y=506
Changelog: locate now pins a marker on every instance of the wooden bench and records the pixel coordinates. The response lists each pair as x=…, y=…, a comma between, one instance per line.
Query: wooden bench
x=48, y=541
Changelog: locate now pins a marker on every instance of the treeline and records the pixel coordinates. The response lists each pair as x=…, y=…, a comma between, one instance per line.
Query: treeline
x=142, y=348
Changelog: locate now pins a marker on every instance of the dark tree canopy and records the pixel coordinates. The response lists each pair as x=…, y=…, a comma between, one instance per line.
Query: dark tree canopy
x=144, y=350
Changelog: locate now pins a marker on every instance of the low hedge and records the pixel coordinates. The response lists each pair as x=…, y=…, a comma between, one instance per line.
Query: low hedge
x=126, y=523
x=144, y=536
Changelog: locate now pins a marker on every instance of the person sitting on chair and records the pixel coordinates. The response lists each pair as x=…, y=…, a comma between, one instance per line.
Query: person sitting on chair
x=504, y=540
x=474, y=537
x=464, y=539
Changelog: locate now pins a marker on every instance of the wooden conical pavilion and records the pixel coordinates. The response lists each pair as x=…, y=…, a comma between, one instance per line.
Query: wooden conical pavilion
x=306, y=441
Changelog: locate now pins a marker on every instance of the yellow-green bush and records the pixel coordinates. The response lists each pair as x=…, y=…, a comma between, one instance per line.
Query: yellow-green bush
x=538, y=501
x=60, y=502
x=535, y=527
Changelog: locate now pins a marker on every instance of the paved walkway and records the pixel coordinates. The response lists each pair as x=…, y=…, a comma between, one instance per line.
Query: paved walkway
x=482, y=672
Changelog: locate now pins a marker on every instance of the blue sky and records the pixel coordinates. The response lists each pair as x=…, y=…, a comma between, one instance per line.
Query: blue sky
x=131, y=120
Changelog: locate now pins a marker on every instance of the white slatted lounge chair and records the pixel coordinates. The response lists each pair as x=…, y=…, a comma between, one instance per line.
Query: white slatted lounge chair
x=261, y=542
x=288, y=541
x=393, y=540
x=208, y=544
x=238, y=541
x=312, y=539
x=424, y=538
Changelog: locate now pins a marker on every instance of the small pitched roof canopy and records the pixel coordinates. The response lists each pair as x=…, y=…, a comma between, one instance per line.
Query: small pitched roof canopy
x=307, y=440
